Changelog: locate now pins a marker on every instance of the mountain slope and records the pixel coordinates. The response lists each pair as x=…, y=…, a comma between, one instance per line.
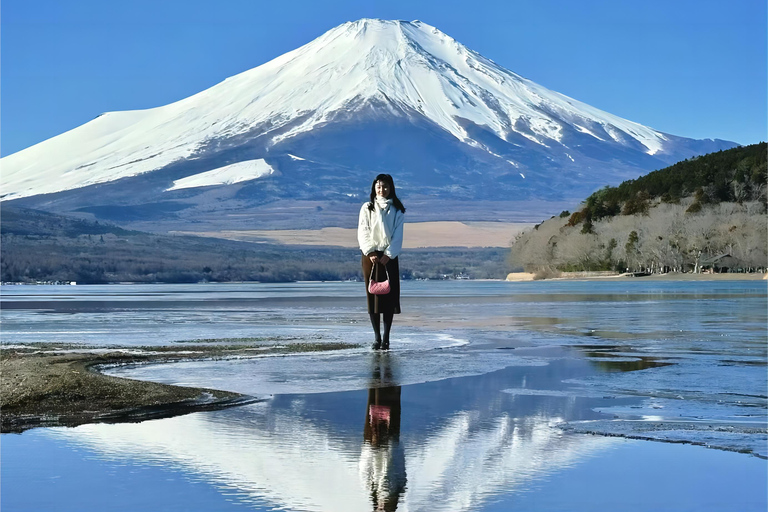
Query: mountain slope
x=364, y=97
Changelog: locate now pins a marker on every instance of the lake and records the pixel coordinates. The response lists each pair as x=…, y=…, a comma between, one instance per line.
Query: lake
x=631, y=395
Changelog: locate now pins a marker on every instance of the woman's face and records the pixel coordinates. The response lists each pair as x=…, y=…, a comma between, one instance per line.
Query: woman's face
x=382, y=189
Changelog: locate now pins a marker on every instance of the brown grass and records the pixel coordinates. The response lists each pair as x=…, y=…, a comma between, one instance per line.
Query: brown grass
x=415, y=235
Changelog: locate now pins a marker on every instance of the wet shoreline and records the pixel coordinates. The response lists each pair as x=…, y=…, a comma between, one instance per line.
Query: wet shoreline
x=47, y=385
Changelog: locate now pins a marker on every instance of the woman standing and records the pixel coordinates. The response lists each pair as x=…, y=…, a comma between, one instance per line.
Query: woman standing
x=380, y=235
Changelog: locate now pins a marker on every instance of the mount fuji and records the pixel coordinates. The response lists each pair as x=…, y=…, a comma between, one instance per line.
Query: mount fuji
x=296, y=141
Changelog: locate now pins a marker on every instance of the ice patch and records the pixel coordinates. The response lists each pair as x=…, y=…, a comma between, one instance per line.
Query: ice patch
x=721, y=436
x=566, y=393
x=451, y=341
x=418, y=357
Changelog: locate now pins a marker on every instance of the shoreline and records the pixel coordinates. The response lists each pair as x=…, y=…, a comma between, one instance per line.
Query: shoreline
x=49, y=385
x=601, y=276
x=511, y=277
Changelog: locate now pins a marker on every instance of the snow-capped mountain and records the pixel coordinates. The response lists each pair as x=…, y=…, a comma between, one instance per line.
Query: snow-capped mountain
x=319, y=122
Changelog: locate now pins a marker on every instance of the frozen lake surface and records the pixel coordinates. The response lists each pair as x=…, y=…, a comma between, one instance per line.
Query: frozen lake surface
x=494, y=396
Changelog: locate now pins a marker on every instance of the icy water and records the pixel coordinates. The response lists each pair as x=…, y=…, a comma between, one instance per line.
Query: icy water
x=495, y=396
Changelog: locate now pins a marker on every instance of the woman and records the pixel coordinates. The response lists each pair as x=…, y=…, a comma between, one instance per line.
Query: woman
x=380, y=235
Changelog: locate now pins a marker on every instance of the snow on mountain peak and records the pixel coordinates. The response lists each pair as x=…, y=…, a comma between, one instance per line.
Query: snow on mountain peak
x=410, y=68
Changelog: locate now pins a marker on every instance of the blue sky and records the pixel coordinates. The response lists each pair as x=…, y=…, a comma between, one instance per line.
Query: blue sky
x=691, y=68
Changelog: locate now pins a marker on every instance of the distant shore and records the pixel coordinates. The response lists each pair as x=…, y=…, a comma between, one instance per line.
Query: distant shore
x=46, y=385
x=672, y=276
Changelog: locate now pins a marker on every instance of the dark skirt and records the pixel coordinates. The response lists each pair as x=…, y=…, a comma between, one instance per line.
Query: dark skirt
x=389, y=303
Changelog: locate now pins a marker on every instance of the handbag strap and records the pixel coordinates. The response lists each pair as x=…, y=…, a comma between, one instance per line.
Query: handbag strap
x=373, y=268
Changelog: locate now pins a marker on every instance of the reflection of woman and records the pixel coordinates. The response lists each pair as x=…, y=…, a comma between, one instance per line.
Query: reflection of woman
x=380, y=235
x=382, y=462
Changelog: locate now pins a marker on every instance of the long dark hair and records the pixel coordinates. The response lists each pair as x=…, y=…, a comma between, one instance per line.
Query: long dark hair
x=392, y=194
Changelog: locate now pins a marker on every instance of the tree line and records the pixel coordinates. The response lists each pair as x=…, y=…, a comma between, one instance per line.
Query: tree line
x=733, y=175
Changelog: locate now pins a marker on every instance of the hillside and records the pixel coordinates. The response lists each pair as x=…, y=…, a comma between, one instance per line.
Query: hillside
x=39, y=246
x=706, y=212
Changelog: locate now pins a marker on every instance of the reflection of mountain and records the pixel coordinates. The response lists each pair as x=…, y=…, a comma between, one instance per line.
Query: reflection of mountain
x=287, y=454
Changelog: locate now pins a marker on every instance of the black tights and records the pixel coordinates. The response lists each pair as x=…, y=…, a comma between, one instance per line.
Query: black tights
x=375, y=322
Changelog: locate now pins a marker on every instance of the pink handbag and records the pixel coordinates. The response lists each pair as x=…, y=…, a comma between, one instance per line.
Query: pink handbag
x=381, y=288
x=379, y=413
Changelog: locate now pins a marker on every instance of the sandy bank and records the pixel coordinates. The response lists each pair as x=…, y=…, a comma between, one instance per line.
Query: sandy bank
x=54, y=385
x=521, y=276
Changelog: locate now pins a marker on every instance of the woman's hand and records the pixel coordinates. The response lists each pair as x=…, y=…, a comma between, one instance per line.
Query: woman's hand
x=384, y=259
x=374, y=258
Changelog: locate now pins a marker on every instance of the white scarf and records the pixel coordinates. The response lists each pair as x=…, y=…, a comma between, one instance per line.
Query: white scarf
x=384, y=216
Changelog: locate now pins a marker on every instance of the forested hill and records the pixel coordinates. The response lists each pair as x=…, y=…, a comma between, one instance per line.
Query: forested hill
x=40, y=224
x=733, y=175
x=707, y=212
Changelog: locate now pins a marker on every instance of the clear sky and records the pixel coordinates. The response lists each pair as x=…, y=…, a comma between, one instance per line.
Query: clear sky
x=695, y=68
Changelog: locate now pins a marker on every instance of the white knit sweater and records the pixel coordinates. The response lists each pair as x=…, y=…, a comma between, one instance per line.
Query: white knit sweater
x=381, y=229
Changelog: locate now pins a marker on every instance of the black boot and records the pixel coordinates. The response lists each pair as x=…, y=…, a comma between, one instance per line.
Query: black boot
x=387, y=327
x=375, y=322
